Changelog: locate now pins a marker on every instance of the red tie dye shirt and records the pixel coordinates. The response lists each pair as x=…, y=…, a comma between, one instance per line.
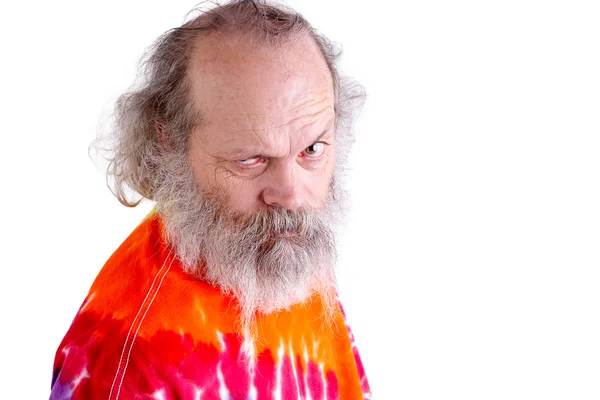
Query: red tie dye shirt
x=148, y=330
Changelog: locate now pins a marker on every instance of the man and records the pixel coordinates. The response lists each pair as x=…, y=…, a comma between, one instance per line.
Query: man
x=226, y=290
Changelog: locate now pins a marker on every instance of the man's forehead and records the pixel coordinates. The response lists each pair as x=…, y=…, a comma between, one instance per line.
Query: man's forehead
x=265, y=140
x=241, y=74
x=251, y=100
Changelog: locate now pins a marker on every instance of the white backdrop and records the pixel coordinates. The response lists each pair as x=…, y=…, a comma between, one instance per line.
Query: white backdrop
x=469, y=266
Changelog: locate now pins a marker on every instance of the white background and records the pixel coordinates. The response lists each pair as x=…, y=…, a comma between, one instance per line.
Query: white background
x=469, y=266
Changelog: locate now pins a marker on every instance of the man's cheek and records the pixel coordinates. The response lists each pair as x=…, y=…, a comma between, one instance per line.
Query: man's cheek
x=243, y=199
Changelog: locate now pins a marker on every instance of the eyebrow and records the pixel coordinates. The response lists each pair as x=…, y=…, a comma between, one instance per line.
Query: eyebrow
x=239, y=152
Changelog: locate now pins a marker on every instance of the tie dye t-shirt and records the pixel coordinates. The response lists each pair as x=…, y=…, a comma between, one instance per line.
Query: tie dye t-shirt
x=148, y=330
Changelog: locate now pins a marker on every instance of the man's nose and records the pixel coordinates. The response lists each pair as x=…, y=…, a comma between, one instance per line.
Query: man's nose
x=284, y=189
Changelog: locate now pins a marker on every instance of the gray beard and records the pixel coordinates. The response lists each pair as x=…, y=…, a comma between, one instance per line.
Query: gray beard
x=239, y=253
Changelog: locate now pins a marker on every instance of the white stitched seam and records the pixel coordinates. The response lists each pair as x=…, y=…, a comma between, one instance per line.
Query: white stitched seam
x=125, y=345
x=139, y=326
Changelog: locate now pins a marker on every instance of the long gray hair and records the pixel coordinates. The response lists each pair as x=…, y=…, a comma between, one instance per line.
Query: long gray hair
x=157, y=113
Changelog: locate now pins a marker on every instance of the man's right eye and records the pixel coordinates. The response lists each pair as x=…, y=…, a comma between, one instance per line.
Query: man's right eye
x=251, y=162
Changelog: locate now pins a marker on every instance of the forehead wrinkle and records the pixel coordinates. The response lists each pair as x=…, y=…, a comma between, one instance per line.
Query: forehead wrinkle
x=230, y=135
x=265, y=142
x=237, y=146
x=305, y=130
x=301, y=137
x=311, y=98
x=244, y=142
x=313, y=116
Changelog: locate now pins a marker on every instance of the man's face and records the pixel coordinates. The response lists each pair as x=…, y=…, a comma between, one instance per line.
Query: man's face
x=251, y=208
x=267, y=132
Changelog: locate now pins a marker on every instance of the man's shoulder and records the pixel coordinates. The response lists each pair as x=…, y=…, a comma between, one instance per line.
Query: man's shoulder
x=129, y=283
x=132, y=298
x=130, y=268
x=92, y=347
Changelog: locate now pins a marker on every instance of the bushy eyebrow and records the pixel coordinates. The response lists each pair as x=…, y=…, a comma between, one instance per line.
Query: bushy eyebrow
x=241, y=152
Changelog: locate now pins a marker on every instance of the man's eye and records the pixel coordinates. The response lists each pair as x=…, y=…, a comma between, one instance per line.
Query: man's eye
x=315, y=150
x=251, y=162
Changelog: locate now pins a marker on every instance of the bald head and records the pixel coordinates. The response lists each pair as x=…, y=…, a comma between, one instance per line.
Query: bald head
x=228, y=68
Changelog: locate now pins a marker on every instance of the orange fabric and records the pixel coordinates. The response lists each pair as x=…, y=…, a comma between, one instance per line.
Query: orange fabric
x=147, y=327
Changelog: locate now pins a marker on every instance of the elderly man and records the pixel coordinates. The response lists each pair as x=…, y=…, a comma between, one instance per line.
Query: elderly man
x=226, y=290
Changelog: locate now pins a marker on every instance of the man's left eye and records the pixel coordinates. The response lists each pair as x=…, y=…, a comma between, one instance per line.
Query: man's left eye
x=315, y=150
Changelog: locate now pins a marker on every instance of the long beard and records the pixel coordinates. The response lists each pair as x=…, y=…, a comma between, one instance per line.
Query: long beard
x=250, y=256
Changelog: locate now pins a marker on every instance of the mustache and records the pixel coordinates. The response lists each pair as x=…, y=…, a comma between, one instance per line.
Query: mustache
x=272, y=221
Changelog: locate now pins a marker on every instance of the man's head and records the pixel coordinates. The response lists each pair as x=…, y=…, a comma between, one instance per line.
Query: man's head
x=239, y=131
x=267, y=137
